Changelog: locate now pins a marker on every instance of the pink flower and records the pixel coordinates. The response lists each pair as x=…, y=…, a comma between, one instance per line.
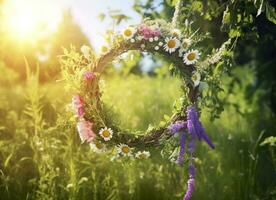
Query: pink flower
x=88, y=75
x=80, y=112
x=77, y=100
x=77, y=104
x=157, y=32
x=148, y=32
x=85, y=131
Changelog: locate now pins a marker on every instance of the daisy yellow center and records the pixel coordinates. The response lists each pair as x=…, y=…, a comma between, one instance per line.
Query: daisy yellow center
x=128, y=32
x=185, y=45
x=99, y=145
x=175, y=33
x=191, y=56
x=106, y=133
x=194, y=77
x=142, y=156
x=171, y=43
x=125, y=149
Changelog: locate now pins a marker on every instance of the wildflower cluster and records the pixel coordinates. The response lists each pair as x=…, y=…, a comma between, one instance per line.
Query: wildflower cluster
x=153, y=37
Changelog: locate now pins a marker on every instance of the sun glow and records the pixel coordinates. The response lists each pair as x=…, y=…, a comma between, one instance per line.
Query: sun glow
x=30, y=19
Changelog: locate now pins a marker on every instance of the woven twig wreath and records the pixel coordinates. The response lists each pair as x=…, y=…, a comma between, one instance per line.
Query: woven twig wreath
x=178, y=47
x=153, y=37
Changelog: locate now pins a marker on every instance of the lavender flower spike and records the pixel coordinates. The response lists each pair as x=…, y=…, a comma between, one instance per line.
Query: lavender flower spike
x=177, y=126
x=190, y=182
x=192, y=171
x=190, y=189
x=191, y=129
x=205, y=136
x=182, y=148
x=195, y=127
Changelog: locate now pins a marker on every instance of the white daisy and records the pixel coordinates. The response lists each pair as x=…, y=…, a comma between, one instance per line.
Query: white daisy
x=156, y=48
x=132, y=40
x=184, y=46
x=124, y=150
x=103, y=50
x=143, y=46
x=142, y=154
x=155, y=38
x=160, y=44
x=186, y=43
x=196, y=78
x=128, y=32
x=176, y=32
x=97, y=146
x=150, y=39
x=106, y=133
x=171, y=44
x=191, y=57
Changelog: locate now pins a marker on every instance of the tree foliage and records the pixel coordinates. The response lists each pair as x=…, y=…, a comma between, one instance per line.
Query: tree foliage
x=252, y=22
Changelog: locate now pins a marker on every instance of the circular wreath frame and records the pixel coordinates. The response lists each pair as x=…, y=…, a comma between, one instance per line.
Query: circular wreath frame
x=152, y=138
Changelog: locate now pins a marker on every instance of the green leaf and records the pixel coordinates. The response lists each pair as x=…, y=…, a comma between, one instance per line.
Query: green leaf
x=171, y=2
x=226, y=16
x=269, y=141
x=234, y=33
x=7, y=161
x=270, y=13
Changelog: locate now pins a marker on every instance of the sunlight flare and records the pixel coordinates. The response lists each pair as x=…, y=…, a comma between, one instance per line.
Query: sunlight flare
x=30, y=20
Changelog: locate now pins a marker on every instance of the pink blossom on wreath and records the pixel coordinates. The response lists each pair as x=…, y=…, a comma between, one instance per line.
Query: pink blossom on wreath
x=88, y=75
x=80, y=112
x=148, y=32
x=85, y=131
x=156, y=32
x=77, y=104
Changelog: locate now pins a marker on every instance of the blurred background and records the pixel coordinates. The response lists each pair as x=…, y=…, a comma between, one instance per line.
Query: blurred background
x=40, y=153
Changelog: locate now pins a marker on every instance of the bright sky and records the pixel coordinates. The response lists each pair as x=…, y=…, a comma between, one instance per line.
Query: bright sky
x=25, y=15
x=86, y=12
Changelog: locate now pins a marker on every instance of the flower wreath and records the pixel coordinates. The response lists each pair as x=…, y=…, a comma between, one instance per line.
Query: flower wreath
x=180, y=48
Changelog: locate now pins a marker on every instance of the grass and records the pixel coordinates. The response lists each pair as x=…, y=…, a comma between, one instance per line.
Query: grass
x=139, y=102
x=41, y=156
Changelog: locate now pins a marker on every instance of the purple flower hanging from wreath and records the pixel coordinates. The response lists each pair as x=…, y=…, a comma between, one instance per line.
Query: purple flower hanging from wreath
x=194, y=128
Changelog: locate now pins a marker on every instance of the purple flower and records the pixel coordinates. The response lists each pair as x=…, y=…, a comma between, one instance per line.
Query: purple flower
x=192, y=171
x=191, y=146
x=205, y=136
x=195, y=127
x=190, y=189
x=192, y=129
x=177, y=126
x=182, y=148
